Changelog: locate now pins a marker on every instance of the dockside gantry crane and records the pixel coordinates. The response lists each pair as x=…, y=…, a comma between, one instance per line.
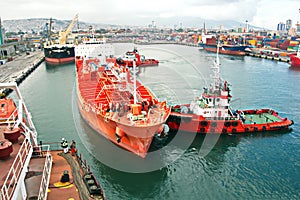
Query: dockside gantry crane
x=64, y=34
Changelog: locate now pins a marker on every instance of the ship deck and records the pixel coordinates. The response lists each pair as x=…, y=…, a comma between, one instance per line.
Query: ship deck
x=104, y=90
x=6, y=164
x=60, y=163
x=260, y=118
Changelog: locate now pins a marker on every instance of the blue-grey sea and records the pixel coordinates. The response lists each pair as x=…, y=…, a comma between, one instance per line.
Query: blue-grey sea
x=253, y=166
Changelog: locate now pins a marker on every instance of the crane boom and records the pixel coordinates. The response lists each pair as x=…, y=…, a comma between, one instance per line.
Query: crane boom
x=63, y=34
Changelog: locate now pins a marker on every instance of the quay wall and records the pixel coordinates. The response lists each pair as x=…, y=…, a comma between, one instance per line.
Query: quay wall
x=19, y=68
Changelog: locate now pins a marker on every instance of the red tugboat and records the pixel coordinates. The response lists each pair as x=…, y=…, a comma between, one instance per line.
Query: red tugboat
x=211, y=113
x=118, y=106
x=295, y=58
x=130, y=56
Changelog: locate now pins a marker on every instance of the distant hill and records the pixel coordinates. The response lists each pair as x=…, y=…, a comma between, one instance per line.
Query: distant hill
x=38, y=24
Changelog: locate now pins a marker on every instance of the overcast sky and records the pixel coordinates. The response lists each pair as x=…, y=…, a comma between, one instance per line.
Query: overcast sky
x=262, y=13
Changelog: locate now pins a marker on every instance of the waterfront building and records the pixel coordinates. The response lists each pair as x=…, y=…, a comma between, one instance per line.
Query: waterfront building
x=288, y=24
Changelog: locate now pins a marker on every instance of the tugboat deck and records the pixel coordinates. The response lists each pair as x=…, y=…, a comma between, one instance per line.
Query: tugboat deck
x=260, y=118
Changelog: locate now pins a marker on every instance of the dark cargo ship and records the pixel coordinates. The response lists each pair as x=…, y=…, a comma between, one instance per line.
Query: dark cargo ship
x=59, y=53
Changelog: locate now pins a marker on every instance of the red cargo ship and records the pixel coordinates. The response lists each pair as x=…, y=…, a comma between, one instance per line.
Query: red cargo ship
x=118, y=106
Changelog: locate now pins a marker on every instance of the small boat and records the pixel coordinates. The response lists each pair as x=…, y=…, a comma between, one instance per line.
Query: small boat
x=212, y=113
x=116, y=105
x=27, y=169
x=295, y=58
x=140, y=60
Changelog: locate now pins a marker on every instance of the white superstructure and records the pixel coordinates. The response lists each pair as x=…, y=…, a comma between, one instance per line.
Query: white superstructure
x=94, y=48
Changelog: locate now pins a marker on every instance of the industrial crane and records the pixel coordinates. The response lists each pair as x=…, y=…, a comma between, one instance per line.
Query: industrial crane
x=63, y=34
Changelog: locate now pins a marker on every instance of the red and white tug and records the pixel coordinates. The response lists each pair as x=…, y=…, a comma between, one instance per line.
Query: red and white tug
x=211, y=113
x=140, y=60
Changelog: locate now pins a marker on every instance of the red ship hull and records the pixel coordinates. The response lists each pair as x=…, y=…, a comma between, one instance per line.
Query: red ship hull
x=224, y=51
x=255, y=121
x=59, y=60
x=295, y=60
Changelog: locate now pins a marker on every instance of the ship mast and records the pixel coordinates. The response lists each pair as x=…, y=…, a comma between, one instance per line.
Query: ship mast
x=216, y=72
x=134, y=82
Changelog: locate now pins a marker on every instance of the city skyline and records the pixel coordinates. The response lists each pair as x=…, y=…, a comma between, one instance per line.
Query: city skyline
x=261, y=13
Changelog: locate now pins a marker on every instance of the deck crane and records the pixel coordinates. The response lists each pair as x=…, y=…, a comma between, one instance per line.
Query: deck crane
x=63, y=34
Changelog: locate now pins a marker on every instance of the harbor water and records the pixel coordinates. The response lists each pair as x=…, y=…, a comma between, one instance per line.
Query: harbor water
x=252, y=166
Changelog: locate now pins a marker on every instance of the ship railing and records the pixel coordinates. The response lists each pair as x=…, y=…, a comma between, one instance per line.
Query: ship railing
x=222, y=118
x=106, y=87
x=154, y=118
x=43, y=150
x=28, y=132
x=130, y=87
x=12, y=179
x=11, y=118
x=116, y=74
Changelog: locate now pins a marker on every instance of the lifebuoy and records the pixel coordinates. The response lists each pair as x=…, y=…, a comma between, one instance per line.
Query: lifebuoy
x=246, y=129
x=255, y=129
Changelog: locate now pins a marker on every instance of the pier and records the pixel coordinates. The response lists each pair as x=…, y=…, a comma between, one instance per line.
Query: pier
x=281, y=59
x=20, y=67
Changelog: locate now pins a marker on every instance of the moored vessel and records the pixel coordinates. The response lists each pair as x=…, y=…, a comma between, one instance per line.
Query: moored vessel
x=295, y=58
x=58, y=54
x=230, y=49
x=27, y=169
x=212, y=113
x=61, y=51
